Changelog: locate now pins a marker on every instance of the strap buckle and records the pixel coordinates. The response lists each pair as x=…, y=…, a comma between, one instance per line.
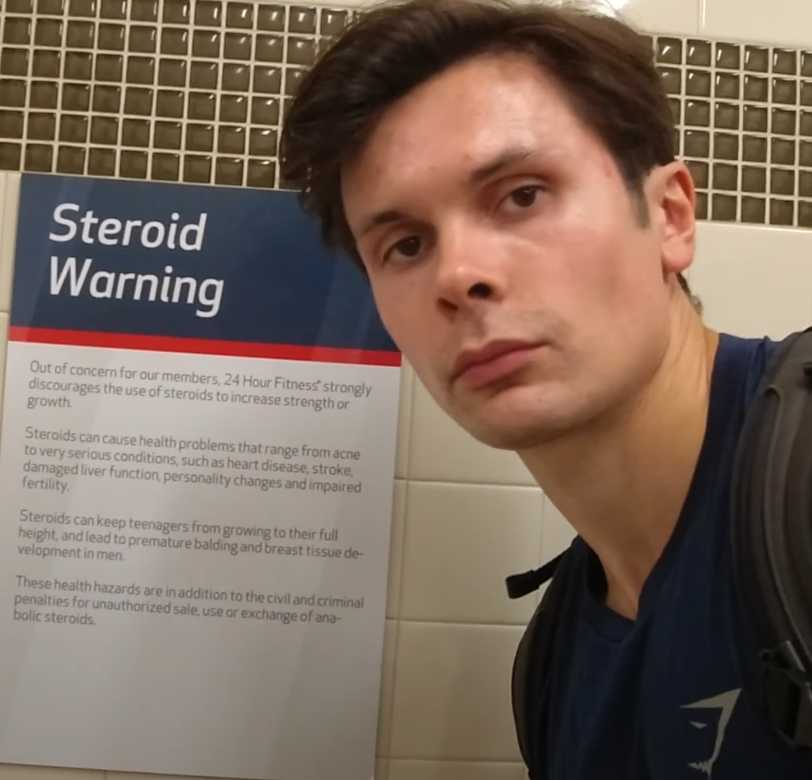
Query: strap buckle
x=788, y=692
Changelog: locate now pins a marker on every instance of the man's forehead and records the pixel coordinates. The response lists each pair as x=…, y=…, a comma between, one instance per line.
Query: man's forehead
x=486, y=87
x=470, y=114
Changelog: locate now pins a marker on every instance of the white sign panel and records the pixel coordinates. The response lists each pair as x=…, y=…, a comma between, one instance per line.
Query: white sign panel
x=196, y=488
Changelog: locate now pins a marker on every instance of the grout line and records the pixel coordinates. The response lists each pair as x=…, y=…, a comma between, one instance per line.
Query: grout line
x=151, y=130
x=412, y=392
x=406, y=490
x=388, y=717
x=769, y=181
x=186, y=91
x=218, y=92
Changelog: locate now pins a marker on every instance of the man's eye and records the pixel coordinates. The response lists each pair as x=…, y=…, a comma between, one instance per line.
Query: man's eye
x=406, y=247
x=524, y=197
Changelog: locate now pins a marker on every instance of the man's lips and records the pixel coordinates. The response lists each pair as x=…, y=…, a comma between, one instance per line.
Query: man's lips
x=497, y=359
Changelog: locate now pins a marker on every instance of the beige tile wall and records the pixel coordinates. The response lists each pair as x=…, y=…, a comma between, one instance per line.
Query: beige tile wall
x=466, y=516
x=787, y=22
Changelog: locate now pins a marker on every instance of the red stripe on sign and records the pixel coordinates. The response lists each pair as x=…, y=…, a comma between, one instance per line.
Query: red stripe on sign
x=86, y=338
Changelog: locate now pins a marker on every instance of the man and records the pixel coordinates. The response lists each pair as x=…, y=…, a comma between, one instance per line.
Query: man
x=505, y=177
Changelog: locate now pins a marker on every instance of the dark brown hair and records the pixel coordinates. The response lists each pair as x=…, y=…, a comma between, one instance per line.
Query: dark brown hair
x=604, y=67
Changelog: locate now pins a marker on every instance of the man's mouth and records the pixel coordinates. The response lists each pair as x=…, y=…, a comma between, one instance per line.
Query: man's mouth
x=493, y=361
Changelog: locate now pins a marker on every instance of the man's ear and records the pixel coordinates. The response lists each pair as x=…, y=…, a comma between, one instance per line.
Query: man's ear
x=672, y=202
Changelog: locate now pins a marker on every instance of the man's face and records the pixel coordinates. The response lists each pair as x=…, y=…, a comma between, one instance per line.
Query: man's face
x=505, y=253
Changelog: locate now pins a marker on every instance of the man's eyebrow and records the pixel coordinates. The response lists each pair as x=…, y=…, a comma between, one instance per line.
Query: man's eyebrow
x=380, y=218
x=504, y=159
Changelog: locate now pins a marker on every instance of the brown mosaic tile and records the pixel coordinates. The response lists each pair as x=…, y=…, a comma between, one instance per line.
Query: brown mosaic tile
x=725, y=177
x=697, y=83
x=165, y=167
x=754, y=210
x=10, y=156
x=144, y=10
x=12, y=92
x=18, y=31
x=783, y=151
x=113, y=9
x=756, y=89
x=237, y=46
x=332, y=21
x=73, y=128
x=263, y=142
x=78, y=66
x=727, y=86
x=784, y=122
x=728, y=56
x=48, y=32
x=669, y=51
x=14, y=62
x=754, y=149
x=207, y=13
x=39, y=157
x=302, y=19
x=101, y=162
x=109, y=67
x=271, y=17
x=782, y=181
x=785, y=61
x=133, y=165
x=229, y=170
x=236, y=77
x=727, y=116
x=138, y=100
x=168, y=135
x=723, y=208
x=805, y=214
x=71, y=159
x=11, y=124
x=240, y=15
x=261, y=173
x=781, y=212
x=726, y=146
x=43, y=94
x=197, y=168
x=47, y=64
x=172, y=72
x=177, y=11
x=51, y=7
x=805, y=184
x=104, y=130
x=231, y=140
x=754, y=179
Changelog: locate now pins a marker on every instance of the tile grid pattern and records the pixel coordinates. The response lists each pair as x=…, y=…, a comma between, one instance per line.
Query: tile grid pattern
x=170, y=90
x=194, y=91
x=744, y=116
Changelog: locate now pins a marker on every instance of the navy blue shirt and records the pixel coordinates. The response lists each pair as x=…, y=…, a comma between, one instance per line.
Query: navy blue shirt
x=661, y=697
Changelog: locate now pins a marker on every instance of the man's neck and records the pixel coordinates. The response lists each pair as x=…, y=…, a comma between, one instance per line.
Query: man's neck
x=623, y=489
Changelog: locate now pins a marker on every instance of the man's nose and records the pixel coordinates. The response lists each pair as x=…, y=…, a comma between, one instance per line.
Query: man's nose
x=469, y=271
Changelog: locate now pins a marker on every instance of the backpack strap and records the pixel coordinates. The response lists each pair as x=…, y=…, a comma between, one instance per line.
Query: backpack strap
x=532, y=667
x=771, y=500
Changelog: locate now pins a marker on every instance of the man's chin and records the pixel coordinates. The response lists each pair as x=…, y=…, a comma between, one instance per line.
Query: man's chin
x=521, y=435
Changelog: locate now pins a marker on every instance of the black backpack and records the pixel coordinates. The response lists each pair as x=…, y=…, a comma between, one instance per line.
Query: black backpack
x=771, y=499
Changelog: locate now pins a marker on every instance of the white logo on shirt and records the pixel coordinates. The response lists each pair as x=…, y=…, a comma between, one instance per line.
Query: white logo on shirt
x=725, y=703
